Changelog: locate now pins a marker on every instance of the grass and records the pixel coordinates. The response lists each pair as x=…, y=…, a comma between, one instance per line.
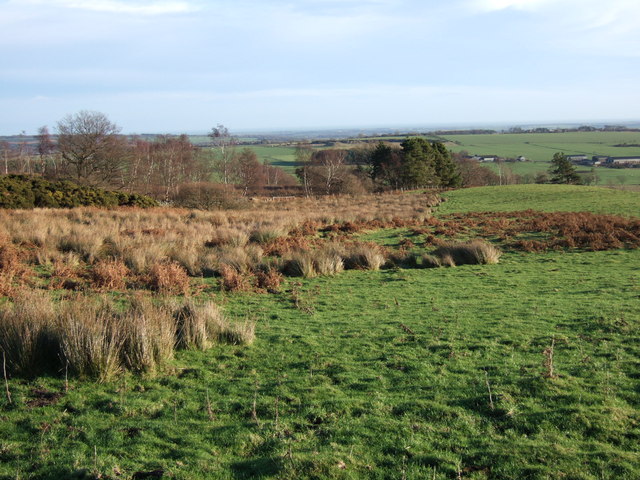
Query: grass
x=540, y=147
x=547, y=198
x=400, y=386
x=522, y=369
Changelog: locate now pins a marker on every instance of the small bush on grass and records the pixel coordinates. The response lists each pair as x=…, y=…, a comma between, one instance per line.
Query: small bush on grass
x=191, y=327
x=232, y=280
x=150, y=336
x=269, y=279
x=476, y=252
x=91, y=338
x=110, y=274
x=169, y=279
x=228, y=236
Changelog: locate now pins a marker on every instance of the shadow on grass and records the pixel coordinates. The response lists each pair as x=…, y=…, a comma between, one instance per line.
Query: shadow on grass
x=257, y=468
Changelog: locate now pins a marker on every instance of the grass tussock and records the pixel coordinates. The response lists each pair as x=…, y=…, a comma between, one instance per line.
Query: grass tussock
x=94, y=337
x=476, y=252
x=364, y=256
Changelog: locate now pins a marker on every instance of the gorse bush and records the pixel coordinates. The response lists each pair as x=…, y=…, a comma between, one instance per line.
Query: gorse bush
x=94, y=337
x=20, y=191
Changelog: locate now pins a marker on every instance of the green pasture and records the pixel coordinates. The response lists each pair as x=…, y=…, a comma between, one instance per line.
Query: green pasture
x=527, y=369
x=540, y=147
x=547, y=198
x=277, y=156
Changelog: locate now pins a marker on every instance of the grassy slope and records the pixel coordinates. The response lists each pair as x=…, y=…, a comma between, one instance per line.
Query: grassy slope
x=547, y=198
x=360, y=396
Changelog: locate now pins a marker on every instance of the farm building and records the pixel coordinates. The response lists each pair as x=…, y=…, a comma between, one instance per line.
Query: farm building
x=576, y=158
x=485, y=158
x=619, y=160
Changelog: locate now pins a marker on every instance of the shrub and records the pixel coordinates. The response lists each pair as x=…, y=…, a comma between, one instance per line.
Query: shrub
x=430, y=261
x=150, y=335
x=110, y=274
x=21, y=191
x=91, y=338
x=27, y=333
x=191, y=328
x=207, y=196
x=269, y=279
x=228, y=236
x=232, y=280
x=169, y=279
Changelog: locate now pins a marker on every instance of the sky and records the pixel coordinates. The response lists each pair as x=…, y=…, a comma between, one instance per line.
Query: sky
x=173, y=66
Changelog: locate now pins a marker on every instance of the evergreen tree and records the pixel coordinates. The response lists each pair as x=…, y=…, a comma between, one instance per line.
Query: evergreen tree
x=418, y=165
x=446, y=169
x=563, y=170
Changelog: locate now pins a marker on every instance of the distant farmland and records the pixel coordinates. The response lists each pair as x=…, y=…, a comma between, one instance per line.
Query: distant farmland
x=538, y=148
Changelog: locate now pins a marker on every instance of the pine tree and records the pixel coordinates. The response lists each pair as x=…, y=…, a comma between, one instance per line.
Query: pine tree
x=563, y=170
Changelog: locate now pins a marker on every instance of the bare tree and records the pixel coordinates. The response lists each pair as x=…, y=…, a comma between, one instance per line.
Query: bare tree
x=90, y=145
x=46, y=147
x=303, y=156
x=5, y=147
x=223, y=161
x=250, y=172
x=327, y=170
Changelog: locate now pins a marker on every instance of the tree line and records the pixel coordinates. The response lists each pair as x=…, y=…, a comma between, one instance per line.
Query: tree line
x=89, y=149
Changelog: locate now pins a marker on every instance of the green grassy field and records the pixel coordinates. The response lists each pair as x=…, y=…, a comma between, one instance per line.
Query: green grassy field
x=283, y=157
x=540, y=147
x=547, y=198
x=524, y=369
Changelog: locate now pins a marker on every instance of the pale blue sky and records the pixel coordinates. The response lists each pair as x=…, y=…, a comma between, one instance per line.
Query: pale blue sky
x=186, y=65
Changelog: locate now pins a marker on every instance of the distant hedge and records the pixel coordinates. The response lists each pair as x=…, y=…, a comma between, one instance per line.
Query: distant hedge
x=21, y=191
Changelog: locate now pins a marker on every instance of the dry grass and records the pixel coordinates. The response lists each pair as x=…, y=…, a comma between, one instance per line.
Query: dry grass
x=476, y=252
x=93, y=337
x=90, y=248
x=364, y=256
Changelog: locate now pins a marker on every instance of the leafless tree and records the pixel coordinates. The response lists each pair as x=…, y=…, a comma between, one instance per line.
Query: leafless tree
x=303, y=157
x=327, y=170
x=225, y=144
x=46, y=147
x=90, y=145
x=249, y=171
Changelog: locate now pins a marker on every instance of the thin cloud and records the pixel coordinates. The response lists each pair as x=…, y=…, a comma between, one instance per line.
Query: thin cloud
x=115, y=6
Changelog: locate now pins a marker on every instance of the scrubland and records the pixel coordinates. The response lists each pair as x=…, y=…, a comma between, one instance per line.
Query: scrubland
x=325, y=339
